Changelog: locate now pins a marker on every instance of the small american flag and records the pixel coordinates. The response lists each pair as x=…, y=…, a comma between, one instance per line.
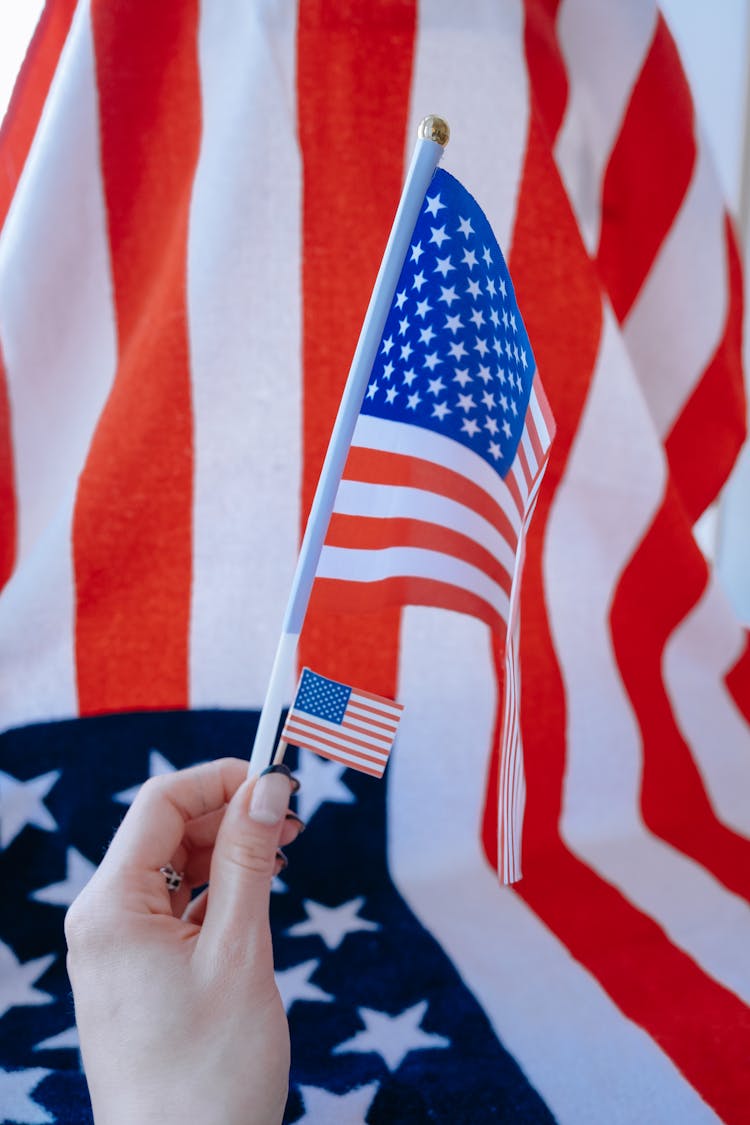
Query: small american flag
x=342, y=723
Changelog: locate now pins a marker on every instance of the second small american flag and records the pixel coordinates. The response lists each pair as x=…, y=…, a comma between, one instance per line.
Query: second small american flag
x=342, y=723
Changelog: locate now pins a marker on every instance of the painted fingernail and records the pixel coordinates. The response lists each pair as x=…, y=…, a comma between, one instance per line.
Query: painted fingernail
x=301, y=826
x=282, y=861
x=270, y=798
x=281, y=768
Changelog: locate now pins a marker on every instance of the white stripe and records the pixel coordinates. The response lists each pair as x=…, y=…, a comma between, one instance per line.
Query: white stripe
x=677, y=319
x=411, y=562
x=58, y=337
x=697, y=657
x=539, y=422
x=392, y=501
x=598, y=518
x=344, y=750
x=245, y=349
x=413, y=441
x=604, y=47
x=540, y=1002
x=467, y=68
x=300, y=726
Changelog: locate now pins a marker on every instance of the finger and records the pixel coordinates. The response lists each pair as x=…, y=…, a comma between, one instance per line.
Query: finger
x=155, y=824
x=195, y=911
x=243, y=864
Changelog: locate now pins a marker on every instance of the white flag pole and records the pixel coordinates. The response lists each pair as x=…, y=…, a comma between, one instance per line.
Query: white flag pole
x=432, y=139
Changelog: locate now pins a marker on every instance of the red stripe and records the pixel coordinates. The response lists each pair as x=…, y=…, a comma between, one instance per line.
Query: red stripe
x=368, y=730
x=338, y=758
x=365, y=534
x=387, y=706
x=21, y=120
x=374, y=466
x=737, y=680
x=648, y=172
x=132, y=534
x=523, y=461
x=547, y=76
x=8, y=522
x=331, y=594
x=298, y=729
x=536, y=444
x=350, y=56
x=715, y=409
x=702, y=1026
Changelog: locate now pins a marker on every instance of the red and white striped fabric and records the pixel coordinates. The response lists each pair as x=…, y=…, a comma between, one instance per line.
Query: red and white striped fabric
x=182, y=280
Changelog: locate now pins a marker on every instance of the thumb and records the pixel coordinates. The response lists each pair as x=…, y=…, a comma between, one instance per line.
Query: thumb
x=243, y=864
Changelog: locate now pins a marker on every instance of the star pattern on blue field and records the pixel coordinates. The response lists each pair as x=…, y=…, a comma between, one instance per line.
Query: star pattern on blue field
x=455, y=357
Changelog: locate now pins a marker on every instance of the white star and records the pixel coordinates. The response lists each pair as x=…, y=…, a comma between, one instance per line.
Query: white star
x=372, y=389
x=157, y=767
x=320, y=781
x=442, y=265
x=491, y=287
x=419, y=281
x=503, y=402
x=403, y=326
x=523, y=359
x=470, y=258
x=488, y=399
x=470, y=427
x=481, y=346
x=495, y=318
x=465, y=227
x=278, y=886
x=503, y=290
x=416, y=252
x=491, y=425
x=426, y=334
x=466, y=402
x=457, y=350
x=392, y=1037
x=390, y=395
x=15, y=1095
x=495, y=450
x=503, y=379
x=400, y=298
x=432, y=360
x=64, y=1041
x=478, y=317
x=440, y=409
x=506, y=319
x=332, y=923
x=473, y=288
x=435, y=386
x=387, y=345
x=77, y=874
x=388, y=370
x=433, y=205
x=438, y=236
x=513, y=321
x=323, y=1107
x=496, y=346
x=453, y=323
x=423, y=308
x=487, y=256
x=21, y=804
x=515, y=352
x=414, y=400
x=409, y=376
x=294, y=984
x=448, y=295
x=484, y=373
x=462, y=376
x=506, y=428
x=406, y=350
x=17, y=980
x=513, y=407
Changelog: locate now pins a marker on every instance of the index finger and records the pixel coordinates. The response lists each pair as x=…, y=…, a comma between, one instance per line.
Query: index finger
x=155, y=823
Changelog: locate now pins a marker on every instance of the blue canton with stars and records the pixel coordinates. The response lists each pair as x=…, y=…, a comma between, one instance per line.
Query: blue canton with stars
x=324, y=698
x=383, y=1028
x=455, y=357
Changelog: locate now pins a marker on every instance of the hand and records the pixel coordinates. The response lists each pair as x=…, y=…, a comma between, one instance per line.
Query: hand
x=177, y=1008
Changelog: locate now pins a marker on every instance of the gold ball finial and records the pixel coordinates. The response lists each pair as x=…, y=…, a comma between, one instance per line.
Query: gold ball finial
x=434, y=129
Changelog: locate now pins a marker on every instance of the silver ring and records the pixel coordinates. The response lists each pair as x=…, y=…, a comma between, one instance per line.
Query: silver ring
x=172, y=878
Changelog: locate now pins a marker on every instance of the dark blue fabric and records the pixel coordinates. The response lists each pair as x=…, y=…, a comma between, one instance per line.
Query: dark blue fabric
x=341, y=857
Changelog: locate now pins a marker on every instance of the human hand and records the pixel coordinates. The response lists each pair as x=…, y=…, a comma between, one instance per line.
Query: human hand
x=177, y=1008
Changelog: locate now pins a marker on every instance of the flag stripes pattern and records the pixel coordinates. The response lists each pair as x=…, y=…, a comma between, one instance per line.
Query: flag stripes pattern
x=359, y=733
x=635, y=704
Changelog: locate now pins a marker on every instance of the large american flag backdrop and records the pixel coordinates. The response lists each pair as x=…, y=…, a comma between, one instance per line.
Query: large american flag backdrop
x=194, y=200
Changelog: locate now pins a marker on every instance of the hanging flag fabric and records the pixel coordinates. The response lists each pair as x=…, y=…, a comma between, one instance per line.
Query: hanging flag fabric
x=342, y=723
x=447, y=457
x=194, y=202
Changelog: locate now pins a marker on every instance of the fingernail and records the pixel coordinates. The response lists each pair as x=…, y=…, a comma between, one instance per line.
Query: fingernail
x=270, y=798
x=281, y=860
x=281, y=768
x=301, y=826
